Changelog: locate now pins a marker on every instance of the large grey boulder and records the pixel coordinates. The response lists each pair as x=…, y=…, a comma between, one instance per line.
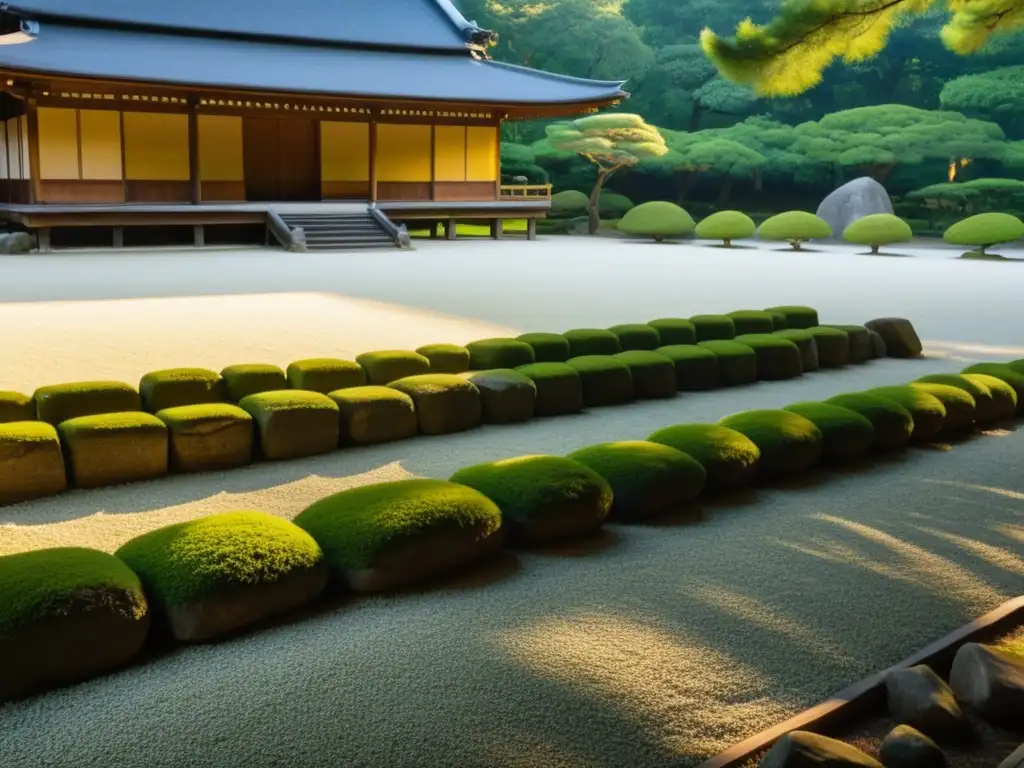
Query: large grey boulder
x=920, y=698
x=990, y=681
x=854, y=200
x=907, y=747
x=802, y=749
x=17, y=242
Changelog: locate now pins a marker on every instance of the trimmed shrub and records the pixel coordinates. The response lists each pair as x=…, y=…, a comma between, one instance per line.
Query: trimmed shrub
x=653, y=374
x=657, y=219
x=444, y=402
x=31, y=462
x=789, y=444
x=568, y=204
x=861, y=346
x=542, y=498
x=204, y=438
x=636, y=336
x=498, y=353
x=833, y=346
x=606, y=380
x=507, y=396
x=777, y=358
x=737, y=363
x=374, y=414
x=795, y=228
x=984, y=402
x=878, y=229
x=901, y=340
x=696, y=367
x=729, y=458
x=445, y=358
x=798, y=317
x=216, y=575
x=174, y=387
x=984, y=230
x=713, y=327
x=1004, y=398
x=1017, y=365
x=674, y=330
x=325, y=375
x=612, y=205
x=558, y=386
x=726, y=226
x=390, y=535
x=292, y=423
x=805, y=342
x=892, y=422
x=584, y=342
x=547, y=347
x=113, y=448
x=961, y=408
x=845, y=434
x=389, y=365
x=15, y=406
x=247, y=379
x=750, y=321
x=779, y=322
x=1003, y=372
x=66, y=615
x=60, y=402
x=647, y=479
x=928, y=412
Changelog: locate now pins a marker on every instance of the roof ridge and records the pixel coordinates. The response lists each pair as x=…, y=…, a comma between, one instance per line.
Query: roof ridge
x=555, y=75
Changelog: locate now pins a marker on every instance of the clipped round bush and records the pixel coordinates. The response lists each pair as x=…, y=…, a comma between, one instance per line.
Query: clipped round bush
x=374, y=414
x=696, y=367
x=636, y=336
x=218, y=574
x=498, y=353
x=541, y=498
x=928, y=412
x=60, y=402
x=568, y=204
x=246, y=379
x=1017, y=365
x=390, y=535
x=737, y=363
x=861, y=346
x=1004, y=397
x=657, y=219
x=789, y=443
x=15, y=406
x=747, y=321
x=833, y=346
x=806, y=344
x=878, y=229
x=387, y=365
x=444, y=358
x=845, y=434
x=729, y=457
x=777, y=358
x=606, y=380
x=647, y=479
x=961, y=408
x=798, y=317
x=795, y=228
x=559, y=388
x=180, y=386
x=67, y=614
x=293, y=423
x=324, y=374
x=592, y=341
x=445, y=402
x=31, y=461
x=1003, y=372
x=653, y=374
x=210, y=437
x=986, y=409
x=713, y=327
x=674, y=330
x=779, y=321
x=113, y=448
x=984, y=230
x=892, y=422
x=506, y=396
x=547, y=347
x=612, y=205
x=726, y=226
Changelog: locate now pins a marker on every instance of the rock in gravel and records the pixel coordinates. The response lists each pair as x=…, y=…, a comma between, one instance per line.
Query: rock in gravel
x=907, y=747
x=991, y=682
x=17, y=242
x=854, y=200
x=920, y=698
x=802, y=749
x=901, y=340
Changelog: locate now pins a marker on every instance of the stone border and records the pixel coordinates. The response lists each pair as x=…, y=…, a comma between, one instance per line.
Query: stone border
x=862, y=698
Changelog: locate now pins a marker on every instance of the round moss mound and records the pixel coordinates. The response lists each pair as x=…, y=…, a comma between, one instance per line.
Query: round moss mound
x=568, y=204
x=387, y=365
x=647, y=479
x=57, y=403
x=293, y=423
x=1003, y=372
x=612, y=205
x=507, y=396
x=984, y=230
x=779, y=322
x=984, y=402
x=726, y=226
x=806, y=344
x=606, y=380
x=878, y=229
x=325, y=375
x=653, y=374
x=592, y=341
x=928, y=412
x=797, y=316
x=1004, y=397
x=559, y=388
x=657, y=219
x=374, y=414
x=245, y=379
x=845, y=434
x=795, y=228
x=541, y=498
x=777, y=358
x=180, y=386
x=961, y=407
x=674, y=330
x=892, y=422
x=789, y=443
x=833, y=346
x=737, y=363
x=547, y=347
x=445, y=358
x=1017, y=365
x=636, y=336
x=713, y=327
x=14, y=406
x=444, y=402
x=730, y=458
x=696, y=367
x=499, y=353
x=862, y=348
x=749, y=321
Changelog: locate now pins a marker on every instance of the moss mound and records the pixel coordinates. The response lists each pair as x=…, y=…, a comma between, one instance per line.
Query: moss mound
x=653, y=374
x=862, y=348
x=789, y=443
x=114, y=448
x=795, y=228
x=592, y=341
x=498, y=353
x=60, y=402
x=612, y=205
x=647, y=479
x=606, y=380
x=374, y=414
x=246, y=379
x=845, y=434
x=507, y=396
x=31, y=462
x=984, y=230
x=726, y=226
x=806, y=344
x=1003, y=372
x=674, y=330
x=750, y=321
x=798, y=317
x=777, y=358
x=15, y=406
x=961, y=408
x=389, y=365
x=713, y=327
x=984, y=402
x=779, y=322
x=1004, y=400
x=696, y=367
x=928, y=412
x=657, y=219
x=559, y=388
x=833, y=346
x=293, y=423
x=878, y=229
x=737, y=363
x=729, y=457
x=541, y=498
x=180, y=386
x=444, y=402
x=568, y=204
x=444, y=358
x=892, y=422
x=547, y=347
x=325, y=375
x=636, y=336
x=205, y=438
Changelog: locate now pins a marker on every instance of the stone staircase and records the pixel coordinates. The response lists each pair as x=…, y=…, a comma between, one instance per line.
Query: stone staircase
x=339, y=231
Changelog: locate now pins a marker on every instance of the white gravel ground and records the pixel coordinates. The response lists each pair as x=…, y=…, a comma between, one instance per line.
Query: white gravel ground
x=650, y=646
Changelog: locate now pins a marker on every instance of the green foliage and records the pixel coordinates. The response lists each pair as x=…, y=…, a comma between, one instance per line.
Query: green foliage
x=984, y=230
x=795, y=228
x=713, y=327
x=777, y=358
x=994, y=93
x=636, y=336
x=60, y=402
x=892, y=422
x=845, y=434
x=657, y=219
x=547, y=347
x=592, y=341
x=498, y=353
x=788, y=443
x=444, y=402
x=653, y=374
x=507, y=396
x=392, y=364
x=559, y=388
x=252, y=378
x=569, y=204
x=374, y=414
x=729, y=458
x=31, y=463
x=674, y=330
x=961, y=407
x=325, y=374
x=927, y=411
x=737, y=363
x=696, y=367
x=15, y=406
x=520, y=160
x=606, y=379
x=446, y=358
x=612, y=205
x=726, y=226
x=180, y=386
x=798, y=317
x=877, y=230
x=974, y=196
x=749, y=321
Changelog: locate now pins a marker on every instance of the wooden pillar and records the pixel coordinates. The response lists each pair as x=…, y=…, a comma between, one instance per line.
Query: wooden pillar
x=450, y=229
x=32, y=121
x=373, y=161
x=497, y=169
x=433, y=162
x=44, y=239
x=119, y=237
x=531, y=229
x=194, y=176
x=497, y=231
x=198, y=235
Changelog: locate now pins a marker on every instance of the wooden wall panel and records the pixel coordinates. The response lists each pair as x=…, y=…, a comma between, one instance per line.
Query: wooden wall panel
x=403, y=153
x=156, y=147
x=482, y=153
x=85, y=192
x=3, y=154
x=100, y=136
x=159, y=191
x=58, y=144
x=23, y=138
x=223, y=191
x=464, y=190
x=17, y=160
x=449, y=153
x=14, y=190
x=220, y=148
x=403, y=190
x=345, y=190
x=345, y=151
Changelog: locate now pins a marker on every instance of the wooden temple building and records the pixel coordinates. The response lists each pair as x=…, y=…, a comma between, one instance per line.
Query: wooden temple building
x=333, y=120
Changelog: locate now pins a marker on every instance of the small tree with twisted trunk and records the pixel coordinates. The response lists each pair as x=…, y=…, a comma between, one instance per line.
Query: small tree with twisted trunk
x=611, y=142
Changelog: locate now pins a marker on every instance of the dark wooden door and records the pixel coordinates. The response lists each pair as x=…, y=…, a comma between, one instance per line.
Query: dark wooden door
x=282, y=161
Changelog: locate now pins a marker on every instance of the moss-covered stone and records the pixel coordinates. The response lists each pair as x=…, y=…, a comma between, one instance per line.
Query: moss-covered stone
x=779, y=321
x=833, y=346
x=729, y=458
x=541, y=498
x=547, y=347
x=737, y=363
x=387, y=365
x=806, y=344
x=205, y=438
x=657, y=219
x=606, y=380
x=798, y=317
x=653, y=374
x=1005, y=373
x=961, y=408
x=114, y=448
x=878, y=348
x=898, y=333
x=696, y=367
x=673, y=331
x=928, y=412
x=445, y=358
x=861, y=346
x=175, y=387
x=892, y=422
x=986, y=409
x=31, y=462
x=777, y=358
x=585, y=342
x=751, y=321
x=15, y=406
x=293, y=423
x=373, y=414
x=499, y=353
x=636, y=336
x=325, y=375
x=507, y=396
x=246, y=379
x=559, y=388
x=845, y=434
x=713, y=327
x=1004, y=401
x=60, y=402
x=444, y=402
x=788, y=443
